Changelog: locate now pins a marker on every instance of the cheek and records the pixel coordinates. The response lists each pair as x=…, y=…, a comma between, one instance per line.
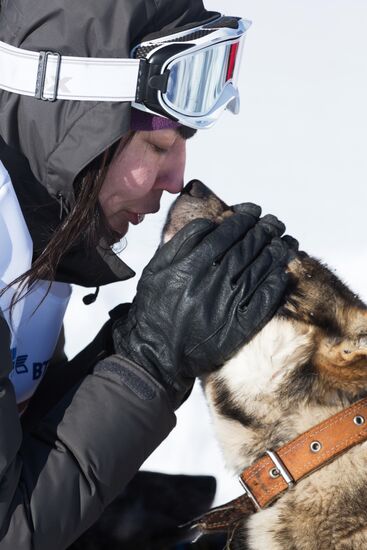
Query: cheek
x=140, y=180
x=132, y=177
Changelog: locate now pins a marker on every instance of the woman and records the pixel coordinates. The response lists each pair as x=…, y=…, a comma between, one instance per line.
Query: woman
x=72, y=179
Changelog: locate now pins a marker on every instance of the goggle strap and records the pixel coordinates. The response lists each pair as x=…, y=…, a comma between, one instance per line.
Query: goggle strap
x=50, y=76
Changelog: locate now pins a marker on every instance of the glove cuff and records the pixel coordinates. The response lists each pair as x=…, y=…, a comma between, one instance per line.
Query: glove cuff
x=135, y=377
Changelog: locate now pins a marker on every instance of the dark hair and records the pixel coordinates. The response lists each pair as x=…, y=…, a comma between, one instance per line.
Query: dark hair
x=85, y=220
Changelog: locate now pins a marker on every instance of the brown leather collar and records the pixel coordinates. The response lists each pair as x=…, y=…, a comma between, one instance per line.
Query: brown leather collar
x=276, y=472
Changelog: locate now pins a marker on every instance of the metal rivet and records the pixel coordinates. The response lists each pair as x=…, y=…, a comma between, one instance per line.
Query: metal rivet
x=274, y=473
x=315, y=446
x=359, y=420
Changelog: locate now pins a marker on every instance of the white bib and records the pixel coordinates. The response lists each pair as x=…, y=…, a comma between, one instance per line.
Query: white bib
x=35, y=325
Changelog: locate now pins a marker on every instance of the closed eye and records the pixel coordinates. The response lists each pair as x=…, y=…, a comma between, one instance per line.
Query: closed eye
x=159, y=150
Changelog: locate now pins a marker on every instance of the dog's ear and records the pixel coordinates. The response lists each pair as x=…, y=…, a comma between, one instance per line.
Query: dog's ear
x=343, y=362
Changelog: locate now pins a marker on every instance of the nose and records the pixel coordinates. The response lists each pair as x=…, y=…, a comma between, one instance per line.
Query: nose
x=171, y=173
x=197, y=190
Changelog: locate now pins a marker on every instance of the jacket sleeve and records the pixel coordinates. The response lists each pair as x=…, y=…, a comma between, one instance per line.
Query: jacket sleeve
x=56, y=480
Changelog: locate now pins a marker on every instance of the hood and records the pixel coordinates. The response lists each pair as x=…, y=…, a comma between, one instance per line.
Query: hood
x=60, y=138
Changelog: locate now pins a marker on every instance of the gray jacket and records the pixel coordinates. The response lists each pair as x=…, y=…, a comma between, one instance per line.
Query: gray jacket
x=56, y=478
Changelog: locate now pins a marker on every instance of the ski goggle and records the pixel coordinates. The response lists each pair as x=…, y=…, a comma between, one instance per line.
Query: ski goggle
x=189, y=76
x=192, y=76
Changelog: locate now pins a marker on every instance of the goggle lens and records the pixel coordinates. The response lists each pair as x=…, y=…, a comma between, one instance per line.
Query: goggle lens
x=196, y=81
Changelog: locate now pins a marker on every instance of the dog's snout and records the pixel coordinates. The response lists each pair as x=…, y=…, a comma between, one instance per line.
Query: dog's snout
x=197, y=190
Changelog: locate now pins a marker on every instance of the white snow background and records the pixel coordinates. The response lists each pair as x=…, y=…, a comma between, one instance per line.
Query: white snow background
x=298, y=148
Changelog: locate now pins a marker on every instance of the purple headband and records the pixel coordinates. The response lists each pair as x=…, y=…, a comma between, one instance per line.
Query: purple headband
x=140, y=120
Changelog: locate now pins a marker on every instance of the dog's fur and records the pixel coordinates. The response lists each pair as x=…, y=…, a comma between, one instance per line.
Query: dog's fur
x=306, y=364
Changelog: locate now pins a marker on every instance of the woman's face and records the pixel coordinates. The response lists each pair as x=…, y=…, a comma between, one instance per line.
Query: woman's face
x=152, y=162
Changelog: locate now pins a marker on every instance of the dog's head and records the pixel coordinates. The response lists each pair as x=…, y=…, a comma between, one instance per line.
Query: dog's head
x=314, y=350
x=196, y=201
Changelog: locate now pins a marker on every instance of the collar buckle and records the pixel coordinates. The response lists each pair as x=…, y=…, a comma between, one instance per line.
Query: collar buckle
x=280, y=469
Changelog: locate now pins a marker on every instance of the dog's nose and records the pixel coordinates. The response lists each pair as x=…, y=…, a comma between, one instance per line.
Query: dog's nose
x=196, y=189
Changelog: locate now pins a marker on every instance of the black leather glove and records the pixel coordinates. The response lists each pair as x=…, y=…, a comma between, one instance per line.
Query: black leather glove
x=203, y=295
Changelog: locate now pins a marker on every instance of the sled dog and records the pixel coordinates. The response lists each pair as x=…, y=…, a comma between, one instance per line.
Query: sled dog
x=308, y=363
